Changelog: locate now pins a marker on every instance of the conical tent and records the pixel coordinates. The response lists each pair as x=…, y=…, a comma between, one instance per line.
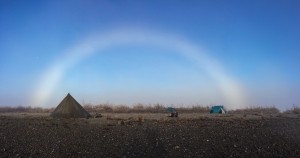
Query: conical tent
x=70, y=108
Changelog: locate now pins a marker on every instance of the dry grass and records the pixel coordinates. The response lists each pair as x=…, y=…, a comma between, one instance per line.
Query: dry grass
x=140, y=108
x=294, y=110
x=152, y=108
x=137, y=108
x=256, y=110
x=140, y=119
x=27, y=109
x=194, y=109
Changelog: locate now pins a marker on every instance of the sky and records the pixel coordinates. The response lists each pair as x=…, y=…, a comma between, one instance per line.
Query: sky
x=235, y=52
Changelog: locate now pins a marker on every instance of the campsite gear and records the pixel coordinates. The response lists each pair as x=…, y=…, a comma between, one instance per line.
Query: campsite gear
x=218, y=109
x=172, y=112
x=70, y=108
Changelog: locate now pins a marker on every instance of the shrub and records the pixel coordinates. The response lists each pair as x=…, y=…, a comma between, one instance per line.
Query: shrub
x=121, y=109
x=294, y=110
x=25, y=109
x=256, y=110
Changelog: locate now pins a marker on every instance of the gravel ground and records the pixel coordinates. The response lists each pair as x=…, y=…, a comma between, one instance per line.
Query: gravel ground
x=42, y=136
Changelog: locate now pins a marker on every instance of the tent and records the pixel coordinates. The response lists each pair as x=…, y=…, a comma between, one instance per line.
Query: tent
x=69, y=108
x=172, y=111
x=218, y=109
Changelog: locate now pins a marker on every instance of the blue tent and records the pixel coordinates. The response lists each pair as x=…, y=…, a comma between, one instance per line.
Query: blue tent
x=218, y=109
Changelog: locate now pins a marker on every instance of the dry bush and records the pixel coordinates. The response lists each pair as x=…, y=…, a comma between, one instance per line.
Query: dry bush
x=140, y=119
x=194, y=109
x=88, y=107
x=7, y=109
x=39, y=110
x=141, y=108
x=103, y=108
x=121, y=109
x=294, y=110
x=256, y=110
x=28, y=109
x=138, y=108
x=14, y=109
x=156, y=108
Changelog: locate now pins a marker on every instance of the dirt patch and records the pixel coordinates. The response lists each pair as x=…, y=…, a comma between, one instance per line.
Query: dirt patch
x=150, y=136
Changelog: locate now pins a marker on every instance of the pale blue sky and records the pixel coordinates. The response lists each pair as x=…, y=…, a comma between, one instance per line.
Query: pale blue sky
x=256, y=43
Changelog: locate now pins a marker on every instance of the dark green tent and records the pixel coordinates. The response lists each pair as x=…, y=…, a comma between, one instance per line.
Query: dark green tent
x=171, y=109
x=172, y=112
x=70, y=108
x=218, y=109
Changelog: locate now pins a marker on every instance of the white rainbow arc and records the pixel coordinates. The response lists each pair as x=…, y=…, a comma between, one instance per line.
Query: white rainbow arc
x=230, y=87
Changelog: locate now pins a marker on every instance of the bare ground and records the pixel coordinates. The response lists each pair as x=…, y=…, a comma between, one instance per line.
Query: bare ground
x=150, y=135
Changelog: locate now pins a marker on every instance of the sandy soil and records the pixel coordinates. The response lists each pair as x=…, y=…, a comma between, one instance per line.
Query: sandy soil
x=150, y=135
